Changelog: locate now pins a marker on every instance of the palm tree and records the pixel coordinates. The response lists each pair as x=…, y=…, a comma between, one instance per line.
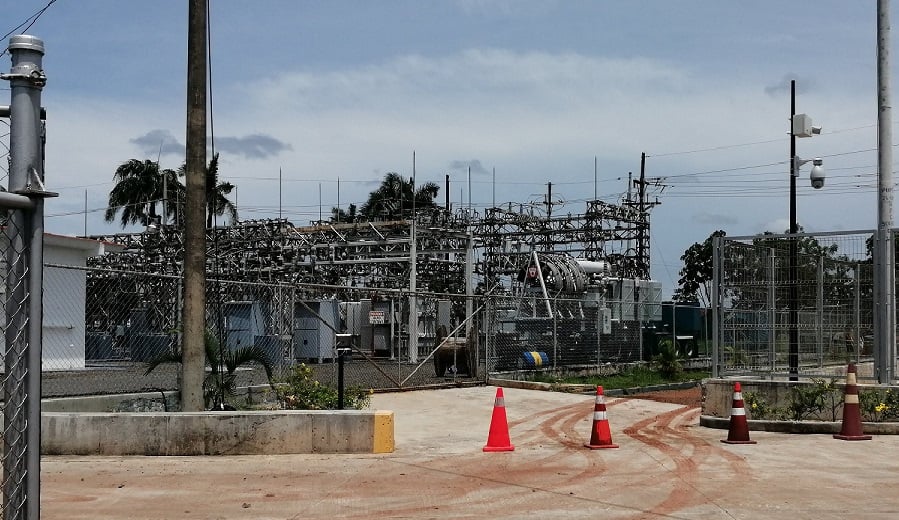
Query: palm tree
x=393, y=198
x=217, y=203
x=221, y=382
x=139, y=186
x=344, y=216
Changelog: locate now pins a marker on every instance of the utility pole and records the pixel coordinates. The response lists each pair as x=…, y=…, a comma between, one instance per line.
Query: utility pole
x=549, y=200
x=643, y=206
x=884, y=274
x=193, y=363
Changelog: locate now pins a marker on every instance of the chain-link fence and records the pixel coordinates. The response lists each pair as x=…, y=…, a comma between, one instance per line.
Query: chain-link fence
x=104, y=328
x=809, y=296
x=15, y=345
x=529, y=332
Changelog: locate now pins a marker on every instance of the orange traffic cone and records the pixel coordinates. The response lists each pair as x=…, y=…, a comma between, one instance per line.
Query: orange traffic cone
x=852, y=417
x=498, y=438
x=738, y=433
x=600, y=435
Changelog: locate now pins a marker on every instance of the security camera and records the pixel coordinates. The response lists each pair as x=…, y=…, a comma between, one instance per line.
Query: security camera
x=817, y=175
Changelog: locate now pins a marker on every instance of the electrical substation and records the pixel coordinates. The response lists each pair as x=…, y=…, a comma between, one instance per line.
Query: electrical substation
x=519, y=286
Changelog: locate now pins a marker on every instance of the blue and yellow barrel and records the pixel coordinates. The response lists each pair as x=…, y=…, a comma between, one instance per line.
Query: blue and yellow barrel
x=535, y=360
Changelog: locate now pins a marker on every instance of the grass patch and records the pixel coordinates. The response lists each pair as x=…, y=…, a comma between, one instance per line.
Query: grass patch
x=638, y=376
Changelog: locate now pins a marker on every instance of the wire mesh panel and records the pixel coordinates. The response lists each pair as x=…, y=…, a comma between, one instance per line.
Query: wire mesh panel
x=107, y=330
x=809, y=294
x=529, y=332
x=15, y=346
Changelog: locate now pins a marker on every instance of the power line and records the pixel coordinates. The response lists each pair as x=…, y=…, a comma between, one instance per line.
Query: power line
x=32, y=19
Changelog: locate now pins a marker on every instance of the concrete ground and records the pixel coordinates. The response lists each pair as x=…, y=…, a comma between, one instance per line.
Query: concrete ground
x=666, y=467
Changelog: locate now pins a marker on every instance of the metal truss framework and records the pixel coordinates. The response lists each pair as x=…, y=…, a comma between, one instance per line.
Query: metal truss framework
x=377, y=254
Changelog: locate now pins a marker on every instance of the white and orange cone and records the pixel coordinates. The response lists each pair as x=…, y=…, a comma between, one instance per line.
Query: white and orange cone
x=600, y=434
x=738, y=432
x=851, y=430
x=498, y=438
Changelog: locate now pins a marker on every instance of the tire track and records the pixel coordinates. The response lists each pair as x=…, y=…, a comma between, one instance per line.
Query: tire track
x=666, y=433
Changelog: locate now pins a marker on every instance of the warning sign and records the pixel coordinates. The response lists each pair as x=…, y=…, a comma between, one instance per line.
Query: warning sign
x=376, y=317
x=532, y=271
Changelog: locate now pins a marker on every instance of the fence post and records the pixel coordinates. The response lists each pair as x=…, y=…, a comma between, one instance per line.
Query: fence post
x=858, y=314
x=772, y=313
x=716, y=289
x=819, y=313
x=24, y=303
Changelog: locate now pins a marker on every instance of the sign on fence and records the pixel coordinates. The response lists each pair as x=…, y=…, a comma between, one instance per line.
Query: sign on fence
x=376, y=317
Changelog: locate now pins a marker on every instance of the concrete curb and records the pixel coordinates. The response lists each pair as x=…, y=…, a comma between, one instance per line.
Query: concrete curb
x=827, y=427
x=588, y=389
x=218, y=433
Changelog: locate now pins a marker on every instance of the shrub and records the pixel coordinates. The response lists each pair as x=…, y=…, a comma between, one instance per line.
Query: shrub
x=807, y=401
x=878, y=405
x=758, y=407
x=668, y=360
x=299, y=390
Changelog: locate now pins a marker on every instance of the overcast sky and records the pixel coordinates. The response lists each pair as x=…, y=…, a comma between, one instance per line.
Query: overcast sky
x=336, y=89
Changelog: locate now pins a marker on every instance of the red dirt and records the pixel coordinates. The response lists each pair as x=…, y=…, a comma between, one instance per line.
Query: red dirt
x=691, y=397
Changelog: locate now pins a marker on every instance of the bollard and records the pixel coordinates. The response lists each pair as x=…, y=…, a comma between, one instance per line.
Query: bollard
x=341, y=352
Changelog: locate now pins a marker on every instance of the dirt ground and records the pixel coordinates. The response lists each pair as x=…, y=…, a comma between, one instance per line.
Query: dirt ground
x=666, y=467
x=691, y=397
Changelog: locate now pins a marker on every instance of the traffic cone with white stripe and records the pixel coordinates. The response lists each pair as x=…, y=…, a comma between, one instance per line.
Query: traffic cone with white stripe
x=738, y=432
x=600, y=435
x=852, y=416
x=498, y=438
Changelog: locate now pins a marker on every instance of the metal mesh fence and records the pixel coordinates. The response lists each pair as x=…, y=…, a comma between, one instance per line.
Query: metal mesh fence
x=812, y=289
x=529, y=332
x=15, y=345
x=104, y=327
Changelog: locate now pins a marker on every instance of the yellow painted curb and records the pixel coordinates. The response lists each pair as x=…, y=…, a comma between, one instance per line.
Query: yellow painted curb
x=383, y=441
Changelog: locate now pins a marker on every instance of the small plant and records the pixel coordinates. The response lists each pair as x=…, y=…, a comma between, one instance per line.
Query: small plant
x=220, y=384
x=759, y=408
x=807, y=401
x=299, y=390
x=736, y=356
x=878, y=406
x=668, y=360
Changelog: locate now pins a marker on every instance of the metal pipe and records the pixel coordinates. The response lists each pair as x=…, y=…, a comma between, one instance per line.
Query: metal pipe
x=22, y=413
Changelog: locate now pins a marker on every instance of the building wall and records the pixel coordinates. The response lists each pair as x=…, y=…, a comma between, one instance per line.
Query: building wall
x=64, y=303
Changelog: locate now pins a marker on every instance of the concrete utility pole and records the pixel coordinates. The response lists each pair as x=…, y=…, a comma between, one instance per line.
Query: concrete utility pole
x=884, y=274
x=193, y=361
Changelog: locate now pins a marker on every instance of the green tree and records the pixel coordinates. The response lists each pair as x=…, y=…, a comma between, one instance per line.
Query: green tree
x=139, y=187
x=217, y=203
x=393, y=199
x=347, y=216
x=695, y=283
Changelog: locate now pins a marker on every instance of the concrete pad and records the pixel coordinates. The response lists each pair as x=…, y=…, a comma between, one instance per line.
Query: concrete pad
x=666, y=467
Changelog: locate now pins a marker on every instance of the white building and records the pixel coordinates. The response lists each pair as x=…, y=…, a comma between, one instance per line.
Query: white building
x=65, y=292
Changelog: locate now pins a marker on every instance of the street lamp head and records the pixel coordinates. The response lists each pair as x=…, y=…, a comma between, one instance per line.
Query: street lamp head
x=817, y=175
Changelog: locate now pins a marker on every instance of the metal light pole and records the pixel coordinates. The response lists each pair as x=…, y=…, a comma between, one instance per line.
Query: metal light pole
x=800, y=126
x=793, y=354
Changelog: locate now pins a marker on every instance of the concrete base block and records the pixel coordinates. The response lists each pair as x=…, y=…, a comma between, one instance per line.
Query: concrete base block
x=217, y=433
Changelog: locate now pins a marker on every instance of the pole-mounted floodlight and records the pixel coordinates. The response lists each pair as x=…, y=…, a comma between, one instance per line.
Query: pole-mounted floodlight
x=816, y=177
